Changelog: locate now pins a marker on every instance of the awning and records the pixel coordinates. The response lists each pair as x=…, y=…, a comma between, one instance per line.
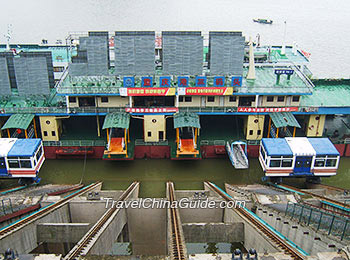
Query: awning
x=186, y=119
x=283, y=119
x=21, y=121
x=117, y=120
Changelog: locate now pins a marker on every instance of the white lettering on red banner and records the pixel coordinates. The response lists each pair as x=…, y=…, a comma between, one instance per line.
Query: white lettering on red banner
x=152, y=110
x=266, y=109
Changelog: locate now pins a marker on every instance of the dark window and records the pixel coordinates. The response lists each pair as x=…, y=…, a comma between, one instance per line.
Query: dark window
x=259, y=132
x=280, y=98
x=211, y=99
x=161, y=135
x=149, y=134
x=287, y=163
x=181, y=99
x=53, y=133
x=72, y=99
x=188, y=99
x=26, y=164
x=45, y=133
x=296, y=98
x=39, y=153
x=262, y=153
x=331, y=162
x=275, y=163
x=14, y=163
x=104, y=99
x=269, y=98
x=319, y=162
x=233, y=98
x=251, y=132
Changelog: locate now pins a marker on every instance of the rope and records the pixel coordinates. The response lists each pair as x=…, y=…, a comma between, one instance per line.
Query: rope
x=84, y=167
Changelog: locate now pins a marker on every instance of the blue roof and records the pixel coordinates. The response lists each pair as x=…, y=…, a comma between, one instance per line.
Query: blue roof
x=24, y=147
x=276, y=146
x=323, y=146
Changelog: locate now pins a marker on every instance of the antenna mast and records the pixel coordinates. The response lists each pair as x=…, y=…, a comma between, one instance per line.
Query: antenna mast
x=8, y=36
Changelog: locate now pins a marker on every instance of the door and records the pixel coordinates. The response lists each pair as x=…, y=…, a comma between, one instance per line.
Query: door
x=203, y=101
x=303, y=164
x=3, y=170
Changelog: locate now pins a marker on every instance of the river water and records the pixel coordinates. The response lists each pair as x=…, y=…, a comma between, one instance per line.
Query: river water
x=318, y=26
x=154, y=173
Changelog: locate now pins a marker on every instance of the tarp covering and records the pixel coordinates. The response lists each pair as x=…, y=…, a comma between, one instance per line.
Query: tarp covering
x=117, y=120
x=283, y=119
x=21, y=121
x=323, y=146
x=186, y=119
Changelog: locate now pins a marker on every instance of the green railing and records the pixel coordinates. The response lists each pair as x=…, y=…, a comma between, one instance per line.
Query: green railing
x=335, y=225
x=141, y=142
x=75, y=143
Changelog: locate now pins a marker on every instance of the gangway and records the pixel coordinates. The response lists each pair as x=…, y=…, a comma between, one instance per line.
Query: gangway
x=237, y=155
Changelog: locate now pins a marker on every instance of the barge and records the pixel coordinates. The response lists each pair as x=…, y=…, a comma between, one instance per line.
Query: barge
x=114, y=102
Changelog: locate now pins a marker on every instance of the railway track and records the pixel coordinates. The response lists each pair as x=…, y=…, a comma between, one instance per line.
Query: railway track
x=44, y=211
x=177, y=240
x=288, y=247
x=340, y=204
x=328, y=187
x=86, y=243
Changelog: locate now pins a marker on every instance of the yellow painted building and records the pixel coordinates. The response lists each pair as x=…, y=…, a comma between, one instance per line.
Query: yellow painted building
x=254, y=127
x=315, y=125
x=154, y=128
x=51, y=128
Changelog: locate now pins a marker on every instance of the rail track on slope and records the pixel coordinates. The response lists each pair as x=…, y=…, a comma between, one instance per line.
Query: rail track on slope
x=289, y=248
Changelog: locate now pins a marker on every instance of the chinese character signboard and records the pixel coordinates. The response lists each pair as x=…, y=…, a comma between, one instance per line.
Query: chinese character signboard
x=219, y=81
x=201, y=81
x=183, y=81
x=128, y=82
x=165, y=82
x=284, y=71
x=150, y=92
x=266, y=109
x=152, y=110
x=146, y=82
x=236, y=81
x=206, y=91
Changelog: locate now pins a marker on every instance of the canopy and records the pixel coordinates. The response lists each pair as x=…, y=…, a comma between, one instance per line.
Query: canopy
x=186, y=119
x=276, y=146
x=323, y=146
x=21, y=121
x=283, y=119
x=117, y=120
x=24, y=147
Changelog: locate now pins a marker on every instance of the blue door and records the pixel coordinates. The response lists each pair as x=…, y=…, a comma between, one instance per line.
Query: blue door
x=3, y=170
x=303, y=164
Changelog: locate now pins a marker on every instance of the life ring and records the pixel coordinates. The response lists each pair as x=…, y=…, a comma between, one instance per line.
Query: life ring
x=2, y=111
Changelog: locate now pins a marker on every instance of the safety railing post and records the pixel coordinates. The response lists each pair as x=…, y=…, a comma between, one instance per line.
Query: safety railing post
x=308, y=222
x=319, y=223
x=330, y=227
x=344, y=231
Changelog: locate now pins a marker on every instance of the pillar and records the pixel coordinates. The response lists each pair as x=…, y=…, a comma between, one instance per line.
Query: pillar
x=51, y=128
x=254, y=127
x=315, y=125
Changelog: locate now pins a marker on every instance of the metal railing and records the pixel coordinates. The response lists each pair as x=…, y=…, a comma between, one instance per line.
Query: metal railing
x=141, y=142
x=75, y=143
x=321, y=220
